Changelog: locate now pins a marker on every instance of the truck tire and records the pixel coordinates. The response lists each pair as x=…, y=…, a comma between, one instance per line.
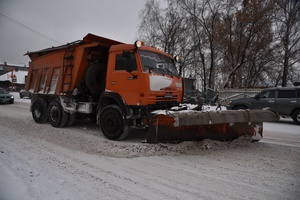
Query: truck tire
x=57, y=116
x=112, y=123
x=95, y=77
x=296, y=117
x=39, y=111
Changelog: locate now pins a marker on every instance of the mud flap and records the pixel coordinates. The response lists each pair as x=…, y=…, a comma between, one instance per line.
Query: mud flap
x=168, y=126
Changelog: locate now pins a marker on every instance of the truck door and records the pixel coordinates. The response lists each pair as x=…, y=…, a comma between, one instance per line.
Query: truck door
x=121, y=81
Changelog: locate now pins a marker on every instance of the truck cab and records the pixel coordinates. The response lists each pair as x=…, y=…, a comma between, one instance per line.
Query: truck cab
x=140, y=80
x=143, y=76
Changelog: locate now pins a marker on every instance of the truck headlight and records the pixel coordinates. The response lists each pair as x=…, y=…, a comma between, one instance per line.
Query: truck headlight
x=138, y=43
x=176, y=58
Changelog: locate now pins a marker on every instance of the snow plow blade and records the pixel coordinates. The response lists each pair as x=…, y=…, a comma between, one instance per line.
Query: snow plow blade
x=170, y=126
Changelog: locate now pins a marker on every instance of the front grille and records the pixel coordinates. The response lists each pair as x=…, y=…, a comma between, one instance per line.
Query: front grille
x=166, y=98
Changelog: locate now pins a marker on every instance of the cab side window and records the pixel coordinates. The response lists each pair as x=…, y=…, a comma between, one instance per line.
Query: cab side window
x=122, y=62
x=287, y=94
x=268, y=94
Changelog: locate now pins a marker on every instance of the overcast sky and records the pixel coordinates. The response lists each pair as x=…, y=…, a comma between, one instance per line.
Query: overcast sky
x=63, y=21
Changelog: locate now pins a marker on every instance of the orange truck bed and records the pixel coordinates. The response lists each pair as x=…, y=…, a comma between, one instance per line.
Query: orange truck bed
x=58, y=70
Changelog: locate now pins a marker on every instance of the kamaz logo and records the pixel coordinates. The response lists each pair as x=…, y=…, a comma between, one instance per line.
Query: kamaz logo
x=168, y=96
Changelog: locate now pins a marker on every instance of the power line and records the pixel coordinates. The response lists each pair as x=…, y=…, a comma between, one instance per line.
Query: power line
x=24, y=26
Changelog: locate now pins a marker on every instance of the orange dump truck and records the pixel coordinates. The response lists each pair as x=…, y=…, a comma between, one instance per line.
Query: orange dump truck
x=124, y=85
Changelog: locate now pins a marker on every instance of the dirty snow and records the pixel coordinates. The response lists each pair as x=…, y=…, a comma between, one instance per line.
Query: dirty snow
x=39, y=162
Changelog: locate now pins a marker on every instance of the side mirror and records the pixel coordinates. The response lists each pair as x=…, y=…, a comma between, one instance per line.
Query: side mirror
x=180, y=70
x=257, y=97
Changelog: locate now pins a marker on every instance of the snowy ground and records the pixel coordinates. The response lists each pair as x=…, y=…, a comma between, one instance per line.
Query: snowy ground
x=45, y=163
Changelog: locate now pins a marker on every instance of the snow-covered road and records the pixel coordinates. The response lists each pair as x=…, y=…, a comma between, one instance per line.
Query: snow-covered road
x=45, y=163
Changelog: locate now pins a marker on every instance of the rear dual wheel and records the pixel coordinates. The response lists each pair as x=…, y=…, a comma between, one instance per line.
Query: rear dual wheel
x=54, y=113
x=57, y=116
x=39, y=111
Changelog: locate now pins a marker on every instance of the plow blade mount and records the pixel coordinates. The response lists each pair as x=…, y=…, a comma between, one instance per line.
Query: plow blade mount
x=168, y=126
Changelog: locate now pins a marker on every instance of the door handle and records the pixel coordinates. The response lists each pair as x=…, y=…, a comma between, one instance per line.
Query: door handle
x=271, y=101
x=293, y=101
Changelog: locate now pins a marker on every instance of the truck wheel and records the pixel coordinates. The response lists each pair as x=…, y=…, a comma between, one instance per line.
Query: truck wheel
x=39, y=111
x=95, y=77
x=112, y=124
x=57, y=116
x=296, y=117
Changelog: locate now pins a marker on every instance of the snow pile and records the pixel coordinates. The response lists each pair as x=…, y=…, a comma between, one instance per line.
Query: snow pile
x=128, y=150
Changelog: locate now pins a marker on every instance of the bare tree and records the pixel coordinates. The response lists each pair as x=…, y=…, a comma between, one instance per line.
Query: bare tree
x=165, y=28
x=245, y=33
x=288, y=36
x=149, y=25
x=229, y=43
x=204, y=16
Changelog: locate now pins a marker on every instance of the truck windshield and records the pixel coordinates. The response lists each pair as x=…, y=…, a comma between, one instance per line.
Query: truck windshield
x=159, y=63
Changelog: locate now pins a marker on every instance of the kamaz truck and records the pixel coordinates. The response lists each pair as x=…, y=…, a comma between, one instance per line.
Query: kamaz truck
x=124, y=85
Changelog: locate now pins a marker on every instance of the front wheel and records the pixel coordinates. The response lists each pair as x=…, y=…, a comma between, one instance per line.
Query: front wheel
x=112, y=123
x=296, y=117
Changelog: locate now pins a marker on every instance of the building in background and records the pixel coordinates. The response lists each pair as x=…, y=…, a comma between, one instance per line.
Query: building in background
x=13, y=76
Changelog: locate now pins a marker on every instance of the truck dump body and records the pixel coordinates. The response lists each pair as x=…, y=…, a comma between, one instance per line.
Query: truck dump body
x=58, y=70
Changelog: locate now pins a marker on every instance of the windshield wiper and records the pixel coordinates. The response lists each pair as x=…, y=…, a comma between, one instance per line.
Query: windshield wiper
x=161, y=70
x=170, y=72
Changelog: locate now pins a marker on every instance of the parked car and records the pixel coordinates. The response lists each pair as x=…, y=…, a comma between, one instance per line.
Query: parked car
x=24, y=93
x=6, y=97
x=285, y=101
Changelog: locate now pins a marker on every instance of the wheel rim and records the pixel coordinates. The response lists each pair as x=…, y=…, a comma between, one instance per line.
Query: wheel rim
x=54, y=114
x=111, y=124
x=37, y=113
x=37, y=110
